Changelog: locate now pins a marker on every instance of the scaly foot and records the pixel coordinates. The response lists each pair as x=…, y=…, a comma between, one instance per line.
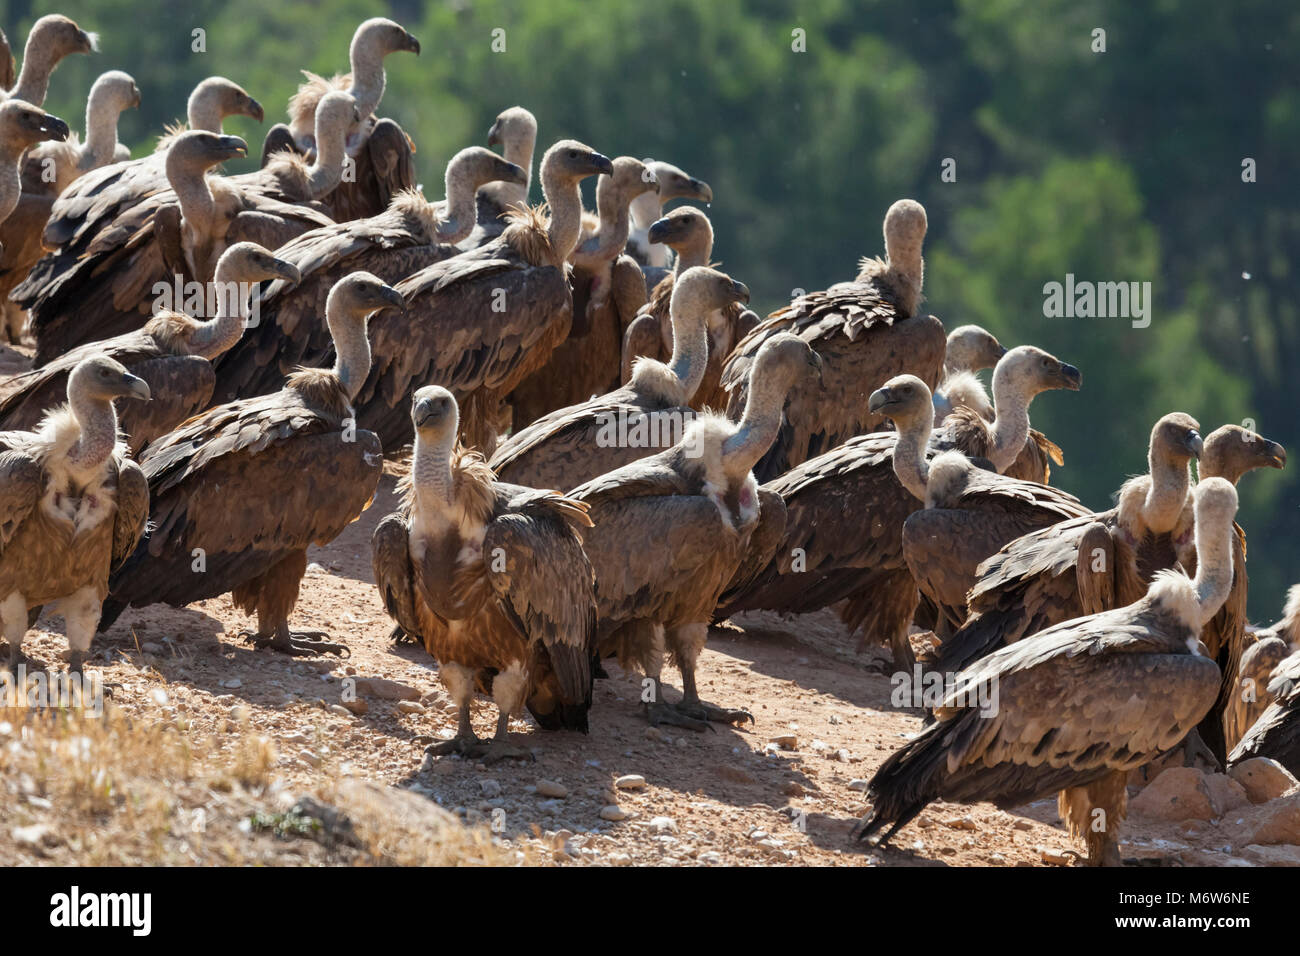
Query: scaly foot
x=662, y=712
x=297, y=643
x=718, y=715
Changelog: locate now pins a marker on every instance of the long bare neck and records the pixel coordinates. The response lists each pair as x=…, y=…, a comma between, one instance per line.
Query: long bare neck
x=198, y=205
x=34, y=80
x=204, y=109
x=327, y=171
x=760, y=422
x=216, y=335
x=10, y=177
x=615, y=223
x=694, y=252
x=1167, y=495
x=456, y=217
x=431, y=473
x=367, y=59
x=690, y=349
x=97, y=422
x=910, y=466
x=352, y=346
x=519, y=150
x=1010, y=422
x=101, y=134
x=1213, y=580
x=565, y=200
x=645, y=209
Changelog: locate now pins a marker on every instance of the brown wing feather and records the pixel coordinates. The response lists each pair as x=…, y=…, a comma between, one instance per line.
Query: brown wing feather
x=391, y=557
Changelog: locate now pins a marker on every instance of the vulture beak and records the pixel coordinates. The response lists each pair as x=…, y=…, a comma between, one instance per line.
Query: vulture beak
x=1194, y=444
x=602, y=164
x=255, y=110
x=393, y=298
x=514, y=174
x=880, y=399
x=135, y=97
x=815, y=363
x=703, y=192
x=231, y=146
x=423, y=411
x=494, y=134
x=1070, y=375
x=55, y=127
x=285, y=270
x=1002, y=350
x=412, y=44
x=740, y=290
x=135, y=387
x=1276, y=455
x=89, y=41
x=661, y=230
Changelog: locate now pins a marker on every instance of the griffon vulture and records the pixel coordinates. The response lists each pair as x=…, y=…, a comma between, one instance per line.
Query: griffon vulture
x=688, y=233
x=75, y=297
x=73, y=507
x=1077, y=706
x=969, y=349
x=1269, y=654
x=492, y=579
x=241, y=491
x=21, y=126
x=482, y=321
x=608, y=290
x=410, y=235
x=173, y=354
x=647, y=209
x=381, y=151
x=844, y=534
x=515, y=131
x=866, y=331
x=574, y=445
x=671, y=531
x=51, y=38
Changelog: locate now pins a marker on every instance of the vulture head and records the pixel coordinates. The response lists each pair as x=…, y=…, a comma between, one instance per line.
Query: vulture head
x=216, y=98
x=514, y=130
x=249, y=262
x=57, y=37
x=904, y=398
x=360, y=295
x=482, y=166
x=630, y=178
x=1176, y=440
x=102, y=379
x=684, y=230
x=1231, y=451
x=785, y=358
x=197, y=151
x=971, y=348
x=22, y=125
x=380, y=36
x=113, y=93
x=434, y=412
x=905, y=225
x=569, y=161
x=676, y=184
x=1027, y=370
x=700, y=290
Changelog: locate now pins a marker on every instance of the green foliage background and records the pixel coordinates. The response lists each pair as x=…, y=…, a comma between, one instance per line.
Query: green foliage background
x=1123, y=165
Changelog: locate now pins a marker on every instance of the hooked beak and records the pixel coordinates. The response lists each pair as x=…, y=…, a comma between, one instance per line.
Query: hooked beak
x=602, y=164
x=286, y=271
x=815, y=362
x=703, y=192
x=55, y=127
x=1194, y=444
x=89, y=42
x=881, y=398
x=660, y=231
x=412, y=44
x=394, y=299
x=422, y=412
x=515, y=174
x=232, y=146
x=135, y=98
x=255, y=110
x=136, y=387
x=494, y=134
x=1277, y=455
x=1071, y=376
x=741, y=291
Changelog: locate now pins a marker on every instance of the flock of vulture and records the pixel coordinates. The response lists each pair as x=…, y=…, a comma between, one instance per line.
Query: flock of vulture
x=839, y=453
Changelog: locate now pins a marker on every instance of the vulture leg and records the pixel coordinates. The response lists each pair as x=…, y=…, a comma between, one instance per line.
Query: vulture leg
x=645, y=641
x=13, y=613
x=81, y=617
x=272, y=596
x=509, y=688
x=1094, y=813
x=685, y=643
x=459, y=682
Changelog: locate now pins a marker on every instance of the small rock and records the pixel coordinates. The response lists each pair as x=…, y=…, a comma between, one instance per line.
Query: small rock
x=1279, y=821
x=1020, y=823
x=961, y=823
x=710, y=858
x=655, y=734
x=663, y=825
x=1262, y=778
x=859, y=784
x=614, y=813
x=792, y=789
x=232, y=683
x=239, y=712
x=151, y=647
x=630, y=781
x=1179, y=793
x=386, y=689
x=1054, y=857
x=489, y=788
x=158, y=696
x=549, y=788
x=339, y=710
x=357, y=706
x=1225, y=793
x=36, y=835
x=410, y=707
x=310, y=758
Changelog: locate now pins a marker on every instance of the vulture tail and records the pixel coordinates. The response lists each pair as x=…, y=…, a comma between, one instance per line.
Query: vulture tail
x=907, y=781
x=108, y=613
x=980, y=636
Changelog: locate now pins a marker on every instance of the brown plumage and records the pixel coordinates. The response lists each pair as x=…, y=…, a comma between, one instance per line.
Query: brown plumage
x=573, y=445
x=689, y=234
x=241, y=491
x=173, y=353
x=866, y=331
x=410, y=235
x=515, y=131
x=382, y=154
x=1263, y=716
x=481, y=321
x=847, y=507
x=657, y=591
x=1075, y=707
x=608, y=289
x=72, y=506
x=22, y=125
x=492, y=579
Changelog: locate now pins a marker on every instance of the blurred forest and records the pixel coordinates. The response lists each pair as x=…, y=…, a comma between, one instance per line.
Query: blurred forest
x=1123, y=165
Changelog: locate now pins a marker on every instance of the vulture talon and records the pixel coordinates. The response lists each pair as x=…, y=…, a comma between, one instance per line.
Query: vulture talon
x=710, y=713
x=297, y=643
x=662, y=712
x=494, y=751
x=461, y=746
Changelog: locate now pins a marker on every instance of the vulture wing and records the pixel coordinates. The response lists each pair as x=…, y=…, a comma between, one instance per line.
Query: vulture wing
x=21, y=482
x=391, y=554
x=132, y=510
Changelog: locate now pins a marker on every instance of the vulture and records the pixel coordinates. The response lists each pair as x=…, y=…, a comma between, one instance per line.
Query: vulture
x=173, y=353
x=648, y=208
x=1077, y=706
x=80, y=296
x=74, y=506
x=51, y=38
x=1038, y=580
x=380, y=150
x=576, y=444
x=21, y=125
x=238, y=493
x=1269, y=654
x=492, y=579
x=608, y=290
x=671, y=530
x=515, y=131
x=482, y=321
x=96, y=199
x=408, y=236
x=846, y=508
x=866, y=331
x=47, y=170
x=689, y=234
x=969, y=349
